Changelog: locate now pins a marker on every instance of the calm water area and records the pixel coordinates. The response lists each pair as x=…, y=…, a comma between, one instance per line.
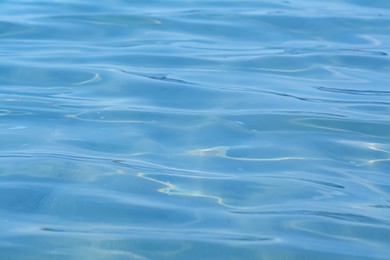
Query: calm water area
x=194, y=129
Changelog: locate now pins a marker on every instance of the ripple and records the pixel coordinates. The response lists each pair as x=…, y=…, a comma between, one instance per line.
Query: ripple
x=43, y=77
x=356, y=92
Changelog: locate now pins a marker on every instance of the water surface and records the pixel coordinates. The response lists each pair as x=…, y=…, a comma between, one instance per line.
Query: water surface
x=194, y=129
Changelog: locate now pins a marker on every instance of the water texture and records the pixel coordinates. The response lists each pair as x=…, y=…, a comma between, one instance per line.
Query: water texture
x=201, y=129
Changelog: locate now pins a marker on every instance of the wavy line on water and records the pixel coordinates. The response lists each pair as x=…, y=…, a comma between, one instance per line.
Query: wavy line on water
x=96, y=77
x=319, y=124
x=103, y=120
x=198, y=113
x=7, y=112
x=134, y=164
x=242, y=89
x=371, y=146
x=355, y=91
x=312, y=51
x=303, y=122
x=145, y=231
x=171, y=171
x=157, y=77
x=343, y=77
x=221, y=151
x=374, y=41
x=362, y=178
x=349, y=217
x=153, y=76
x=225, y=87
x=171, y=189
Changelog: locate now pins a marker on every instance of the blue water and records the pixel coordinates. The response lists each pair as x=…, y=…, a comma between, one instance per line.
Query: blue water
x=204, y=129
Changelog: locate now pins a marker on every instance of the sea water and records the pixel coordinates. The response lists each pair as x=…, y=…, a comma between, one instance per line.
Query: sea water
x=203, y=129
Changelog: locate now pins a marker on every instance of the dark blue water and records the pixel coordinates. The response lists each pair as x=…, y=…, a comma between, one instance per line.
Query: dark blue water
x=194, y=129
